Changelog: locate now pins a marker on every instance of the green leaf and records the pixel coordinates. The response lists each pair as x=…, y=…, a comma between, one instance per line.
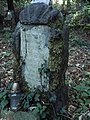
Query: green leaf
x=44, y=108
x=81, y=87
x=87, y=73
x=80, y=101
x=39, y=105
x=37, y=97
x=41, y=112
x=84, y=107
x=4, y=103
x=5, y=92
x=4, y=97
x=79, y=110
x=87, y=102
x=31, y=95
x=84, y=94
x=44, y=115
x=26, y=104
x=53, y=98
x=9, y=86
x=2, y=94
x=8, y=54
x=36, y=110
x=63, y=110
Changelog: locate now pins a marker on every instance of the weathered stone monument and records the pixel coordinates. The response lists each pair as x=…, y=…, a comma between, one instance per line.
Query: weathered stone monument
x=42, y=48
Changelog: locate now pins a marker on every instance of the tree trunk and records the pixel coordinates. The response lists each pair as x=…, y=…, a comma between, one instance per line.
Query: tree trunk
x=10, y=5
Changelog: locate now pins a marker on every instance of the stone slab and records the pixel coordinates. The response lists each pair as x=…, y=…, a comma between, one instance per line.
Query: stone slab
x=34, y=53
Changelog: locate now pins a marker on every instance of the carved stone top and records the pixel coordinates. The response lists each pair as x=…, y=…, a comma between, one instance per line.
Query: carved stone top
x=38, y=13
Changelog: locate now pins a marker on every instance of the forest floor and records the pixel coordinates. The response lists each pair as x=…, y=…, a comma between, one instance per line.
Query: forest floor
x=79, y=60
x=6, y=58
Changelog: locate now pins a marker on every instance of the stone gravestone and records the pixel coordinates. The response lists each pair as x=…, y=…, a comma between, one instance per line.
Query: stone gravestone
x=43, y=51
x=35, y=53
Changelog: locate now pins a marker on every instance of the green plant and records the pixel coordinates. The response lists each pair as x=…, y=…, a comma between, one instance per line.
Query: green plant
x=37, y=101
x=44, y=73
x=6, y=35
x=41, y=110
x=82, y=16
x=78, y=41
x=4, y=96
x=82, y=94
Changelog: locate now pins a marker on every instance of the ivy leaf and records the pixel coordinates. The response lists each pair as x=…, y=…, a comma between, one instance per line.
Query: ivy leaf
x=26, y=104
x=84, y=94
x=37, y=97
x=1, y=95
x=81, y=88
x=44, y=108
x=80, y=101
x=39, y=105
x=53, y=98
x=87, y=102
x=4, y=103
x=87, y=74
x=63, y=110
x=36, y=110
x=5, y=92
x=9, y=86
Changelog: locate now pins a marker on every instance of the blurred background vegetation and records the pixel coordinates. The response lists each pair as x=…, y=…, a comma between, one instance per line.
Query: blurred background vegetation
x=76, y=12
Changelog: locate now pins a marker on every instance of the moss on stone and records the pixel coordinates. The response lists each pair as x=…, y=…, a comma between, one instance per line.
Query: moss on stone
x=55, y=61
x=58, y=55
x=57, y=23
